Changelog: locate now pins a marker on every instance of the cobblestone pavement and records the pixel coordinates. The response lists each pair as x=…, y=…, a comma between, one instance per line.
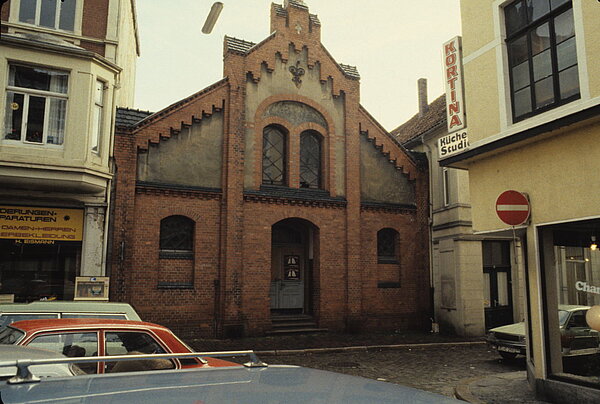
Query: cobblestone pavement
x=432, y=368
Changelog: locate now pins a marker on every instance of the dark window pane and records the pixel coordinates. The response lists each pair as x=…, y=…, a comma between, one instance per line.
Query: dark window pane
x=542, y=65
x=557, y=3
x=273, y=156
x=516, y=17
x=14, y=115
x=27, y=11
x=310, y=160
x=177, y=233
x=540, y=39
x=564, y=27
x=566, y=54
x=522, y=99
x=544, y=93
x=35, y=119
x=537, y=9
x=67, y=15
x=48, y=13
x=521, y=76
x=518, y=50
x=38, y=79
x=569, y=82
x=387, y=240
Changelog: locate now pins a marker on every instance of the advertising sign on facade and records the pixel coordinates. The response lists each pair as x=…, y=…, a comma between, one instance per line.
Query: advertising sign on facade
x=453, y=77
x=91, y=287
x=35, y=224
x=453, y=143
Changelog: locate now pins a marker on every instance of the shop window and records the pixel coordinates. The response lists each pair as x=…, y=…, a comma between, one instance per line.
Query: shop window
x=177, y=237
x=310, y=160
x=54, y=14
x=387, y=246
x=542, y=56
x=36, y=105
x=98, y=116
x=274, y=156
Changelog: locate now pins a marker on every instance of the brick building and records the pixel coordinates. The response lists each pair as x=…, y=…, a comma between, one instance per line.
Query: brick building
x=270, y=194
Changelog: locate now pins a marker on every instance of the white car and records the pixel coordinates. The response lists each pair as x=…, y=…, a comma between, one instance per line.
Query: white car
x=15, y=352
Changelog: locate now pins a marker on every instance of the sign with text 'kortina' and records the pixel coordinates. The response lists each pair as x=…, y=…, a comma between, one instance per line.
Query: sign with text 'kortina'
x=453, y=143
x=453, y=77
x=40, y=223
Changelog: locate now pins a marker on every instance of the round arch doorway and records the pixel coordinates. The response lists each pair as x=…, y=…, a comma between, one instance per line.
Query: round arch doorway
x=293, y=246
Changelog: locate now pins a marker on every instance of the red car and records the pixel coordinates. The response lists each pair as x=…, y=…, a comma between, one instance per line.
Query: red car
x=103, y=337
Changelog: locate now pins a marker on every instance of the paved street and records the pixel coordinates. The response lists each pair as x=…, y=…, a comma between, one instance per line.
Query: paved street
x=435, y=368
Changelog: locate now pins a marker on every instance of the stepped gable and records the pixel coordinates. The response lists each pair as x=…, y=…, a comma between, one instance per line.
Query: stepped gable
x=387, y=144
x=172, y=119
x=292, y=26
x=433, y=118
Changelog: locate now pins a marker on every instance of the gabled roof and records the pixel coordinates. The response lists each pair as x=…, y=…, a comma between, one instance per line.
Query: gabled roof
x=433, y=118
x=129, y=117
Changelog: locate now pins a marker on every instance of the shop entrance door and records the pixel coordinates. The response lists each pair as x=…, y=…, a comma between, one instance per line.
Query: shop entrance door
x=497, y=286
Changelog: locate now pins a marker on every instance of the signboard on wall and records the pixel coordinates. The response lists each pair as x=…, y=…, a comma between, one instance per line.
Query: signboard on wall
x=291, y=267
x=91, y=288
x=453, y=78
x=35, y=224
x=453, y=143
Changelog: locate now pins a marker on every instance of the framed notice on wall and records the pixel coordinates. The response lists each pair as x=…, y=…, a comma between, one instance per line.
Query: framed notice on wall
x=91, y=288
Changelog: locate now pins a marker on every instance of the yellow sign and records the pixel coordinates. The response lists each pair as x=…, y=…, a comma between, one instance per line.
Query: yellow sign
x=38, y=223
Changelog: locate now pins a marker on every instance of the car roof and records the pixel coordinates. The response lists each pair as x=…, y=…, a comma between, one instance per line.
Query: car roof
x=233, y=385
x=572, y=307
x=15, y=352
x=54, y=324
x=60, y=306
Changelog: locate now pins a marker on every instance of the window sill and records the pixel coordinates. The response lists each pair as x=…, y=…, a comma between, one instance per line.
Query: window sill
x=176, y=255
x=388, y=285
x=175, y=285
x=387, y=261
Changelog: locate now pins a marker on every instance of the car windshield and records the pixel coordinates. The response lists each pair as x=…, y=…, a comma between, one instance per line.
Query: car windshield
x=10, y=335
x=563, y=316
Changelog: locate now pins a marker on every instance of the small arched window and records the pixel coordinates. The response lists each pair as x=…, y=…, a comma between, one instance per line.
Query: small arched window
x=274, y=160
x=177, y=237
x=387, y=246
x=310, y=160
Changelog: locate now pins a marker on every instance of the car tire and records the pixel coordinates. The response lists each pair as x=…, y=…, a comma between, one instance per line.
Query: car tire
x=507, y=355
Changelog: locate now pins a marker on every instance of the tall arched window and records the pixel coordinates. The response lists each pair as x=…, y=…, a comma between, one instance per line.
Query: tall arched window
x=310, y=160
x=274, y=161
x=387, y=246
x=177, y=237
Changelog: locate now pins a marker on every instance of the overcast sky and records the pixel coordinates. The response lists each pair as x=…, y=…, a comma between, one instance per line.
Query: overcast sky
x=393, y=43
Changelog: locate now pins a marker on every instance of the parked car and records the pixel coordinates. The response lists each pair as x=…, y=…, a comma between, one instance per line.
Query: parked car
x=11, y=312
x=105, y=337
x=575, y=334
x=15, y=352
x=252, y=383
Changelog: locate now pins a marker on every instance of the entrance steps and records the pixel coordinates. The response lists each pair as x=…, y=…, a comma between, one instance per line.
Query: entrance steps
x=293, y=324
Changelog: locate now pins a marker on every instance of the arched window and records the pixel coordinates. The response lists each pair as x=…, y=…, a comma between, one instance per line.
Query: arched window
x=176, y=237
x=310, y=160
x=274, y=161
x=387, y=246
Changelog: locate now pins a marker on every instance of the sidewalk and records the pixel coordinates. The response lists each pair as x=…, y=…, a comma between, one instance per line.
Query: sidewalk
x=500, y=388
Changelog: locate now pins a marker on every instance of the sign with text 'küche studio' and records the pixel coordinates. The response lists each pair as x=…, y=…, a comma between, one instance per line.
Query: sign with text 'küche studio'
x=457, y=139
x=40, y=223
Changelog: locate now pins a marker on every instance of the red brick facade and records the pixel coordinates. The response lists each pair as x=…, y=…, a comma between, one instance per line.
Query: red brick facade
x=166, y=167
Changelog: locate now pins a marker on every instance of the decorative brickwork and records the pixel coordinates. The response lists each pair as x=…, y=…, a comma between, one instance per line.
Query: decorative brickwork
x=237, y=279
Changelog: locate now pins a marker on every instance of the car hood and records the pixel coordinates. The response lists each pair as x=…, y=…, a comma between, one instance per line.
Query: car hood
x=516, y=329
x=273, y=384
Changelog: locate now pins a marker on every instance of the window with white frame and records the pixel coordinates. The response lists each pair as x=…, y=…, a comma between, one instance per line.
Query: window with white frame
x=36, y=105
x=98, y=116
x=54, y=14
x=542, y=57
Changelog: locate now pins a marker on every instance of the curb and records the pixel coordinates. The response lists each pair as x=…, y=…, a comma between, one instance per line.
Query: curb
x=463, y=392
x=363, y=348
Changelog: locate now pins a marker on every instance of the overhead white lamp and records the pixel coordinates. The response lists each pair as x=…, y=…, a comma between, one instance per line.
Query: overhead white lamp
x=593, y=246
x=213, y=15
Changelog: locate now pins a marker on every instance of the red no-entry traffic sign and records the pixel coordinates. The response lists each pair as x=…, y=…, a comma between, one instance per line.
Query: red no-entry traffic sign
x=513, y=207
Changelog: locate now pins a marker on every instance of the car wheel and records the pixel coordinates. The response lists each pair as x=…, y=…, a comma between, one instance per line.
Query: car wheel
x=507, y=355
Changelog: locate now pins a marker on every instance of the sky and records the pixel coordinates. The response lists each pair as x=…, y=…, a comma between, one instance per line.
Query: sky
x=392, y=43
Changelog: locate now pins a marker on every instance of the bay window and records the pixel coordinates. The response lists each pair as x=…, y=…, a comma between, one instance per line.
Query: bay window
x=36, y=105
x=542, y=57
